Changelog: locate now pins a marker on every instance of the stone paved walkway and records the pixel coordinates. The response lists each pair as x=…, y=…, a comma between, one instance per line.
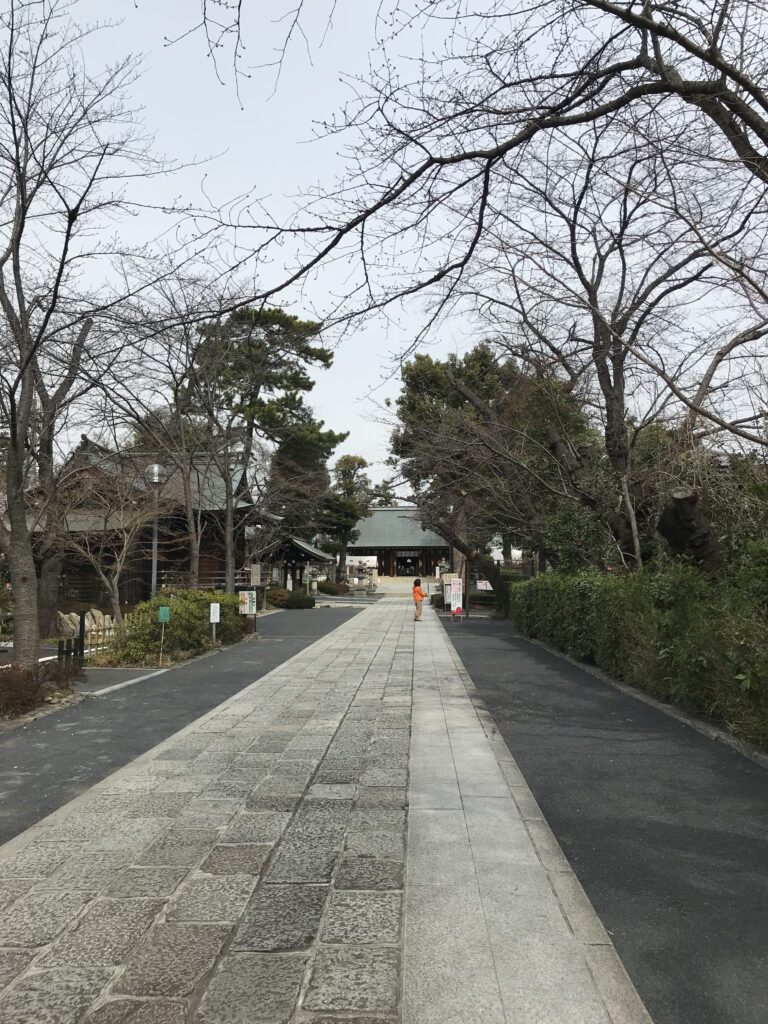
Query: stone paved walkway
x=252, y=869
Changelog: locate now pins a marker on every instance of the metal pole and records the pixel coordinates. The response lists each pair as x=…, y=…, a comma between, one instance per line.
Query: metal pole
x=154, y=551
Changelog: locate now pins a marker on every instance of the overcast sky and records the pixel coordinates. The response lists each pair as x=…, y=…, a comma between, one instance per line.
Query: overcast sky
x=263, y=140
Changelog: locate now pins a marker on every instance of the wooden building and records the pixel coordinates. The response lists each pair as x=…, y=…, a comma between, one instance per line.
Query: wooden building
x=400, y=543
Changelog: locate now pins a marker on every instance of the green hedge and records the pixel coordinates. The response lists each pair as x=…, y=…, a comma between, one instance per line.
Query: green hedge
x=337, y=589
x=298, y=599
x=675, y=632
x=189, y=630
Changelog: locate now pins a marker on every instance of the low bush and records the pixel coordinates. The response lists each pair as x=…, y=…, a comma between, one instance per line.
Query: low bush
x=337, y=589
x=298, y=599
x=20, y=690
x=277, y=596
x=676, y=632
x=187, y=633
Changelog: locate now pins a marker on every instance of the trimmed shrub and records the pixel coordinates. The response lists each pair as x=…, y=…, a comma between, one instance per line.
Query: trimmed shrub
x=676, y=632
x=187, y=633
x=337, y=589
x=277, y=596
x=298, y=599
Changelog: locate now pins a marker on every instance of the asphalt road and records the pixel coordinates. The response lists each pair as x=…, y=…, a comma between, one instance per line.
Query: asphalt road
x=51, y=760
x=666, y=829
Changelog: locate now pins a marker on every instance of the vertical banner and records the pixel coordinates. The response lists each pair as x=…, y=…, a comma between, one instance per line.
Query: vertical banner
x=456, y=597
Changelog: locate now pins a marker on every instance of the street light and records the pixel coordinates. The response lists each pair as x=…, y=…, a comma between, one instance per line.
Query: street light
x=155, y=475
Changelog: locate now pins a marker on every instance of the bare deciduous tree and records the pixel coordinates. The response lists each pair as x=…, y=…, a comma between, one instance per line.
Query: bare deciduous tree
x=69, y=144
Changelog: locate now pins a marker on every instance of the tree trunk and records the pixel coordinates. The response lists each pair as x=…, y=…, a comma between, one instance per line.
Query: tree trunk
x=229, y=544
x=686, y=528
x=21, y=568
x=194, y=560
x=48, y=592
x=341, y=568
x=632, y=521
x=193, y=531
x=113, y=590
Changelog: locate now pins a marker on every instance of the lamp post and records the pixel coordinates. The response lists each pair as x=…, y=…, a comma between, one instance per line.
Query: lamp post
x=155, y=475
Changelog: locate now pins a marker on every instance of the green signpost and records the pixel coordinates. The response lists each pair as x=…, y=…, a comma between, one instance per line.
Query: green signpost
x=163, y=616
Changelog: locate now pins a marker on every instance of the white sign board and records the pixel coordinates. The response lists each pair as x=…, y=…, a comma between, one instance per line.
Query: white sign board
x=437, y=572
x=215, y=613
x=249, y=602
x=484, y=585
x=456, y=596
x=289, y=583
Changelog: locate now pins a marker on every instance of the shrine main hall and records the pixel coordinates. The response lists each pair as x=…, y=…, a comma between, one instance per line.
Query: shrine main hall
x=400, y=544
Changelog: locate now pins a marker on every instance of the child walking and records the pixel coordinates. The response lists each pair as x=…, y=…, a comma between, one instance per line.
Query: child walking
x=418, y=597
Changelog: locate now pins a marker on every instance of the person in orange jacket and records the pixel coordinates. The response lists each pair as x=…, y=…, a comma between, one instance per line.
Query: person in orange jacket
x=418, y=597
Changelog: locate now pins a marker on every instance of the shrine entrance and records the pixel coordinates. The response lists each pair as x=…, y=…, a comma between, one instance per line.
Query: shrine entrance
x=407, y=563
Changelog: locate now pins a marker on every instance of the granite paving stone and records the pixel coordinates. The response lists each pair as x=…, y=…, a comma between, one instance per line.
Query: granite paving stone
x=179, y=846
x=362, y=918
x=252, y=989
x=223, y=809
x=386, y=844
x=333, y=791
x=149, y=881
x=259, y=801
x=354, y=981
x=256, y=827
x=13, y=962
x=160, y=805
x=384, y=777
x=303, y=868
x=242, y=858
x=12, y=888
x=231, y=786
x=38, y=860
x=369, y=873
x=172, y=959
x=56, y=996
x=337, y=776
x=134, y=1011
x=37, y=918
x=92, y=872
x=281, y=918
x=365, y=819
x=104, y=934
x=133, y=834
x=382, y=796
x=212, y=898
x=346, y=1019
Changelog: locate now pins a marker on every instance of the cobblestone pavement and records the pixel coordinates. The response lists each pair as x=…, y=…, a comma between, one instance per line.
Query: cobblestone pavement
x=251, y=869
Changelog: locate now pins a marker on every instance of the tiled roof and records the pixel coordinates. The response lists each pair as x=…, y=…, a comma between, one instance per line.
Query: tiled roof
x=396, y=527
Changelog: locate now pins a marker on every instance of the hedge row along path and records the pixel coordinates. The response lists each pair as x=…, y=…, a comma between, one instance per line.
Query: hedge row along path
x=253, y=868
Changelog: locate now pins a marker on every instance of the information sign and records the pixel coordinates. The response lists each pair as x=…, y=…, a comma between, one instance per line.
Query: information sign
x=249, y=602
x=456, y=596
x=484, y=585
x=215, y=612
x=164, y=613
